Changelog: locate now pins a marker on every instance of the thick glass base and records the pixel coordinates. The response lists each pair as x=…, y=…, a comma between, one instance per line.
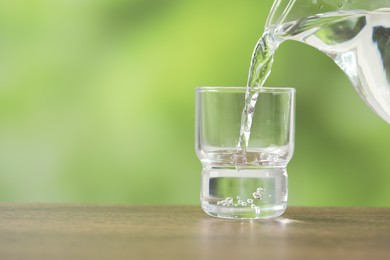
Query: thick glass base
x=244, y=193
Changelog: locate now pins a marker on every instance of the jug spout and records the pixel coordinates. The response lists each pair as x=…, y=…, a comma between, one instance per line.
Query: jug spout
x=355, y=34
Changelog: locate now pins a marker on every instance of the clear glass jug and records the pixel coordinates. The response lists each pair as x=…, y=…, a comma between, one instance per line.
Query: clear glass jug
x=354, y=33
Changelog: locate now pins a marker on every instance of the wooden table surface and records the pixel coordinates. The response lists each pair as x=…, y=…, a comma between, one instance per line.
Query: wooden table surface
x=185, y=232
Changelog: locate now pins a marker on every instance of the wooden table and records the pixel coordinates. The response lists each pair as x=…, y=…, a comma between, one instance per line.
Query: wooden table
x=185, y=232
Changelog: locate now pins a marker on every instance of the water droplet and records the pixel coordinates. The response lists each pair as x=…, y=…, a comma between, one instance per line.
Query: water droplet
x=239, y=201
x=340, y=4
x=253, y=206
x=250, y=201
x=229, y=199
x=244, y=204
x=238, y=197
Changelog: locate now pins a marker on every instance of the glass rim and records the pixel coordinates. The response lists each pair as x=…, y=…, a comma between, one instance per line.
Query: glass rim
x=235, y=89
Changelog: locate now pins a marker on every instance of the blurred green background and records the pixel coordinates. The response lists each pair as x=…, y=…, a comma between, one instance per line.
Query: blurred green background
x=97, y=103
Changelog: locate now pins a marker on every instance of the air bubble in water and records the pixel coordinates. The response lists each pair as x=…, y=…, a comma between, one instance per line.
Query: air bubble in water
x=243, y=204
x=260, y=190
x=226, y=202
x=250, y=201
x=257, y=196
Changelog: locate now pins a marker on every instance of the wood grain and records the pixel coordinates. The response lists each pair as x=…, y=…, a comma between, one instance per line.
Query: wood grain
x=185, y=232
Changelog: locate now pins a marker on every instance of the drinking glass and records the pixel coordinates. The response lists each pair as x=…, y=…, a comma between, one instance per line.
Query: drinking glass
x=244, y=181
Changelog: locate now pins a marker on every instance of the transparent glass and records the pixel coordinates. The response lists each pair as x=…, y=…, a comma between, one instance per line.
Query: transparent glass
x=251, y=182
x=354, y=33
